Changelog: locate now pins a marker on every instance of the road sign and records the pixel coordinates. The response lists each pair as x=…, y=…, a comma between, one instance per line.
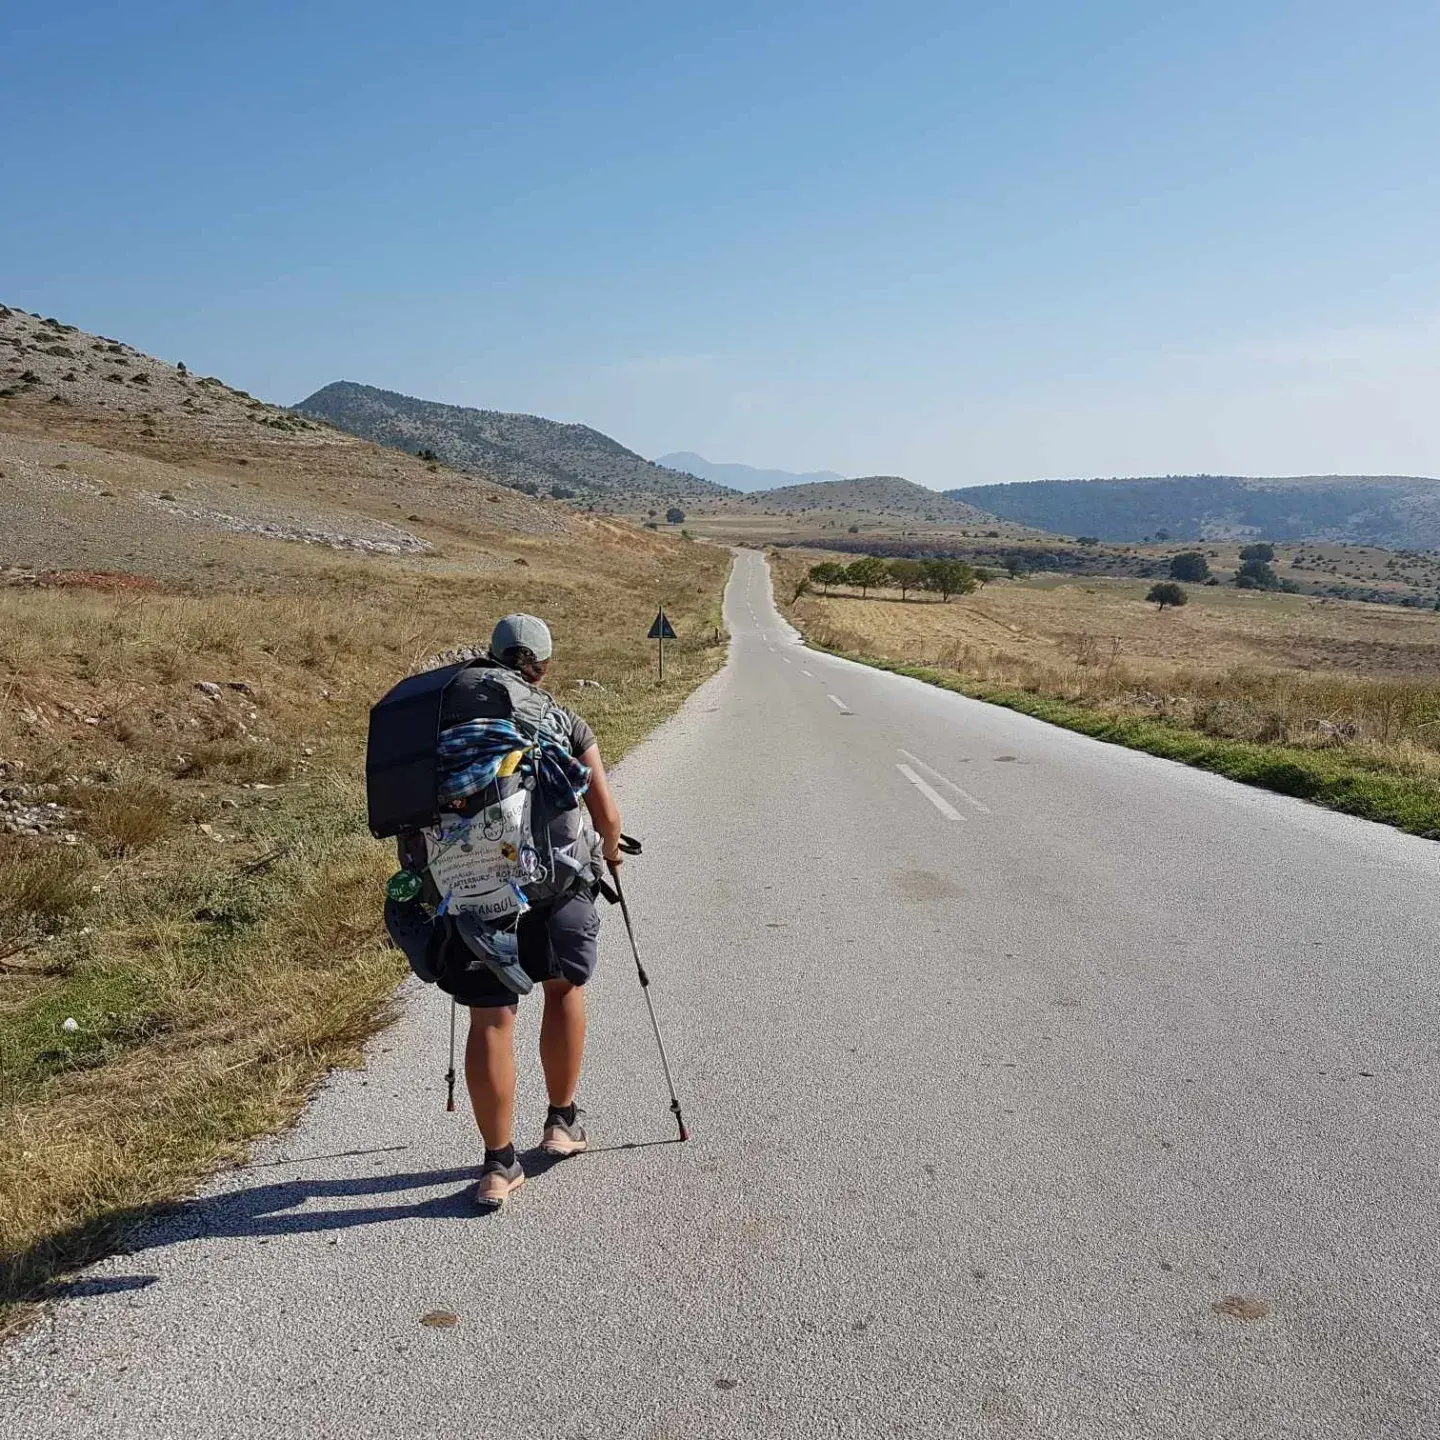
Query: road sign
x=661, y=631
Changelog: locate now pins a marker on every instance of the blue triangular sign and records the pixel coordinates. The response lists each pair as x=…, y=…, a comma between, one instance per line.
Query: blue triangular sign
x=661, y=629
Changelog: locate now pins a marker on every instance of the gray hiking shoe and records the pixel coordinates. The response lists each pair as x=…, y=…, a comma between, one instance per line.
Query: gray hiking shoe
x=562, y=1136
x=498, y=1182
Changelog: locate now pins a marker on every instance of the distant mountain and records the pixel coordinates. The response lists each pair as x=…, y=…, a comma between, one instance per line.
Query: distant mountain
x=884, y=496
x=1396, y=511
x=540, y=456
x=740, y=477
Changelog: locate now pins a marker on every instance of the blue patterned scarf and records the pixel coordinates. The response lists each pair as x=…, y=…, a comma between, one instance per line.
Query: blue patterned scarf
x=472, y=753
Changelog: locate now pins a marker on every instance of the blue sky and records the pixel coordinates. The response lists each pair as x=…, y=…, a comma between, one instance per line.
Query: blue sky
x=961, y=242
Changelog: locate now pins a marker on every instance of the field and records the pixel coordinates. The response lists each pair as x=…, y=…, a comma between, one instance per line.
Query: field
x=1338, y=701
x=198, y=605
x=1336, y=571
x=204, y=903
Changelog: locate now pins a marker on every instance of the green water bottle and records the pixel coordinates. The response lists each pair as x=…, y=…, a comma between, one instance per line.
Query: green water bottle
x=403, y=885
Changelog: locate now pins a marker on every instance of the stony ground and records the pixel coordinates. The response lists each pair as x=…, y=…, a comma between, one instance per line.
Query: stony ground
x=113, y=460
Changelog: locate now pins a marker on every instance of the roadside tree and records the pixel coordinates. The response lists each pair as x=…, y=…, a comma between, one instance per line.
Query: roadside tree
x=866, y=573
x=949, y=577
x=908, y=575
x=826, y=574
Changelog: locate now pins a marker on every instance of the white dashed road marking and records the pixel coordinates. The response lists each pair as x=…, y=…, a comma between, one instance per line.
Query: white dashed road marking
x=933, y=796
x=840, y=705
x=960, y=790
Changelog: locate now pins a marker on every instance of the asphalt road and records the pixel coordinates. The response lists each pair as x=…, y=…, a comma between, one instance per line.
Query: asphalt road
x=1038, y=1088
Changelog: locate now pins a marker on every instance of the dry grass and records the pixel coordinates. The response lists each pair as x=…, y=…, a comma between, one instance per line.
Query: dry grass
x=214, y=929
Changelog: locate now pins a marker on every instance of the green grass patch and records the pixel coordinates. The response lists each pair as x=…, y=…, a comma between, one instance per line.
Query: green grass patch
x=1336, y=778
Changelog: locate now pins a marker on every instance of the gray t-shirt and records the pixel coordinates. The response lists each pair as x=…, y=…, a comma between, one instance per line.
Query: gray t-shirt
x=582, y=737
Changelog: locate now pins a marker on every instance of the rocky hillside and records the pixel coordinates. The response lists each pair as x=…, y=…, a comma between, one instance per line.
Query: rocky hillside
x=539, y=456
x=869, y=497
x=1395, y=511
x=112, y=460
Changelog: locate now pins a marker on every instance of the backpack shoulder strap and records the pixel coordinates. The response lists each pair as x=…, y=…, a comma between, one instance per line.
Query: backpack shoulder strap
x=530, y=706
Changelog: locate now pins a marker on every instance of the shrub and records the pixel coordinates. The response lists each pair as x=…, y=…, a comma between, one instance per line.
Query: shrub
x=1190, y=566
x=127, y=817
x=1166, y=593
x=1259, y=573
x=674, y=516
x=41, y=884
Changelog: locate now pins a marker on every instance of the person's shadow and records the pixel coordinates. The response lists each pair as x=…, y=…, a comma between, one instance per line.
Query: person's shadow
x=259, y=1212
x=262, y=1211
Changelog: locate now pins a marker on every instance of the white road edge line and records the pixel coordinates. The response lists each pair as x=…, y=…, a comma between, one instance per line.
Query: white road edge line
x=933, y=796
x=839, y=704
x=960, y=790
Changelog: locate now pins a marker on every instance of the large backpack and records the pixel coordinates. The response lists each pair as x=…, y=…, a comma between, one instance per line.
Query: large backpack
x=485, y=852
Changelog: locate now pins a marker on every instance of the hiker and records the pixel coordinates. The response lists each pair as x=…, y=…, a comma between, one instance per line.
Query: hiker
x=557, y=942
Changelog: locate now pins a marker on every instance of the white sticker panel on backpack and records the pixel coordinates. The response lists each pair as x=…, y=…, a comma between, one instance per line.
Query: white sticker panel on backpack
x=476, y=857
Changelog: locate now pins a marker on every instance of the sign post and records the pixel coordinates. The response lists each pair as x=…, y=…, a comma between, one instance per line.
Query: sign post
x=661, y=631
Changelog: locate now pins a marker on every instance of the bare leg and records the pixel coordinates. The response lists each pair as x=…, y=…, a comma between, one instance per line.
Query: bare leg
x=562, y=1039
x=490, y=1072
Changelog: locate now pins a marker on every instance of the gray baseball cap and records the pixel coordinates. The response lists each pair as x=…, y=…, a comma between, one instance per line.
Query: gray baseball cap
x=524, y=632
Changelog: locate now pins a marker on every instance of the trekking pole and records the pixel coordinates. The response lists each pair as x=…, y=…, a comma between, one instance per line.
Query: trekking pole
x=649, y=1004
x=450, y=1073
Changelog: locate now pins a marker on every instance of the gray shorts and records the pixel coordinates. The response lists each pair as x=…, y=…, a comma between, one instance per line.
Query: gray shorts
x=559, y=940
